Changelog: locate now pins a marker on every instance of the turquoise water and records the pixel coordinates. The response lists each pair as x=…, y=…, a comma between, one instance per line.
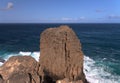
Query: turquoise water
x=100, y=42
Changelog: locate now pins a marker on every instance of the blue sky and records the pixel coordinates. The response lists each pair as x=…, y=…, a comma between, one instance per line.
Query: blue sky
x=59, y=11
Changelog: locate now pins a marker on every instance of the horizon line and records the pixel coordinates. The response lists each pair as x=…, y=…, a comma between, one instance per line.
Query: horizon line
x=59, y=23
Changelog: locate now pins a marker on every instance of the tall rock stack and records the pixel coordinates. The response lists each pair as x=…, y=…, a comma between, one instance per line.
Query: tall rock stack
x=61, y=57
x=61, y=61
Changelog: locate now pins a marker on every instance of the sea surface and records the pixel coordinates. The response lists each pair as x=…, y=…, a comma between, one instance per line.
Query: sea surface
x=100, y=44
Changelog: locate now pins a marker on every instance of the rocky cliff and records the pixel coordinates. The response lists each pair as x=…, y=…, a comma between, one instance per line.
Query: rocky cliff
x=61, y=61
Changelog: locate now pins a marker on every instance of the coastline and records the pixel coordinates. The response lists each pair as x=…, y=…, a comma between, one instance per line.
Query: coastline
x=99, y=44
x=31, y=69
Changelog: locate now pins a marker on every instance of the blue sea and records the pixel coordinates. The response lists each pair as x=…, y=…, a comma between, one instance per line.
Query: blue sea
x=100, y=44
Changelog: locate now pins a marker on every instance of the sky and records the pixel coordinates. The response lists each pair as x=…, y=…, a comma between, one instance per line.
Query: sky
x=59, y=11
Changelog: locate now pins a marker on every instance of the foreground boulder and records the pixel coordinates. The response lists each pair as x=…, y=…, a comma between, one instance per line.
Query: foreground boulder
x=20, y=69
x=61, y=56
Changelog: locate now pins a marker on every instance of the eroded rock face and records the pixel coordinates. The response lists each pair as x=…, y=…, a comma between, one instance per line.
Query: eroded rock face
x=61, y=61
x=61, y=56
x=1, y=79
x=19, y=78
x=22, y=68
x=67, y=81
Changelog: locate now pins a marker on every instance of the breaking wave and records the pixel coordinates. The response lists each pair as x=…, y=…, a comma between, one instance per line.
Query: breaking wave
x=97, y=74
x=93, y=72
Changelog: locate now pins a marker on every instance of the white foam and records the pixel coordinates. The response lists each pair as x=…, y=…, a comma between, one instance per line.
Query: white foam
x=95, y=74
x=24, y=53
x=21, y=53
x=36, y=55
x=1, y=63
x=10, y=55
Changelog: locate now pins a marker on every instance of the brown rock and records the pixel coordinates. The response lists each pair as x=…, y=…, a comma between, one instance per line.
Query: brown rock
x=19, y=78
x=21, y=68
x=1, y=79
x=61, y=61
x=67, y=81
x=61, y=56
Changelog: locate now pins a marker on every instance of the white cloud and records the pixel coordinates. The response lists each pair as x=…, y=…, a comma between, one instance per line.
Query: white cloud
x=112, y=16
x=73, y=19
x=82, y=18
x=8, y=7
x=66, y=19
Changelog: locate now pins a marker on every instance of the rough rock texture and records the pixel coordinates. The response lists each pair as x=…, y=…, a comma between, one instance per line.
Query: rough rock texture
x=61, y=61
x=67, y=81
x=19, y=78
x=61, y=56
x=20, y=69
x=1, y=79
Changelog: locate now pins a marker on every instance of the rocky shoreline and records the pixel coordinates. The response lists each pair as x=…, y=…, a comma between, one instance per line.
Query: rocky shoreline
x=61, y=61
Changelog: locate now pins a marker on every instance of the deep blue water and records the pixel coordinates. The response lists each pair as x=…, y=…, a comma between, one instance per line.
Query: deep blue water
x=101, y=42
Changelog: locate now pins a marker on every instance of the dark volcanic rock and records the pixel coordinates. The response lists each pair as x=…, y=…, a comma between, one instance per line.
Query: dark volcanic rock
x=22, y=68
x=61, y=56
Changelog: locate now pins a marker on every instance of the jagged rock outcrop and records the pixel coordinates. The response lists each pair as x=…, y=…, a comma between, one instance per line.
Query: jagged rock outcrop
x=61, y=61
x=20, y=69
x=61, y=56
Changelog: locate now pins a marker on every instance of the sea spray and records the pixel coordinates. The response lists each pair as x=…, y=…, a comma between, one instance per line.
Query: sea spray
x=35, y=55
x=94, y=73
x=97, y=74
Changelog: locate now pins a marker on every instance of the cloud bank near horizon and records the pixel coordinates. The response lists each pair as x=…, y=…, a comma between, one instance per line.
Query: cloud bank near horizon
x=8, y=7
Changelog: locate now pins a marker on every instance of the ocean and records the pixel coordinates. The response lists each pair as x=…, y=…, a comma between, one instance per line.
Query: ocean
x=100, y=44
